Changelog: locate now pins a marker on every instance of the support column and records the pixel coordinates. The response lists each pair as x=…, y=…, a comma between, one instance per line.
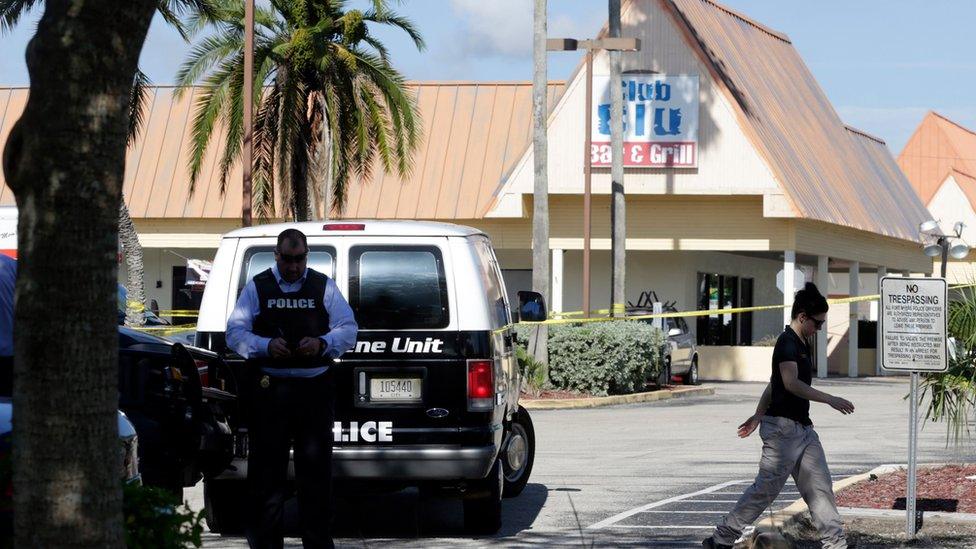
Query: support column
x=855, y=290
x=882, y=272
x=823, y=284
x=789, y=268
x=557, y=282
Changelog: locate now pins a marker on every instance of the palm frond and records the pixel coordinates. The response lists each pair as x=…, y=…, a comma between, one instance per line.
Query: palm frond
x=207, y=54
x=11, y=12
x=395, y=20
x=207, y=110
x=138, y=103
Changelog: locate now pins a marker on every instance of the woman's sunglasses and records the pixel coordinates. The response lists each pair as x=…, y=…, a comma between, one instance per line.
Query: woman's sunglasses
x=817, y=323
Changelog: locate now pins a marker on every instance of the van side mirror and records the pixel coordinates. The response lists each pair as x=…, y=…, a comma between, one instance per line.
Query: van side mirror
x=674, y=332
x=532, y=307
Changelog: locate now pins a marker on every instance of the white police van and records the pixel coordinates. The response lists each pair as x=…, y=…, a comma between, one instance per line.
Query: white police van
x=429, y=395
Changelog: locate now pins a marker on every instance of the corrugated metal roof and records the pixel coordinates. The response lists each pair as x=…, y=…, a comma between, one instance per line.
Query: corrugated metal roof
x=937, y=147
x=822, y=167
x=473, y=131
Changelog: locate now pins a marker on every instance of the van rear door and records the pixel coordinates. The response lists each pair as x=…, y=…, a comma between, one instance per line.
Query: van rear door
x=405, y=381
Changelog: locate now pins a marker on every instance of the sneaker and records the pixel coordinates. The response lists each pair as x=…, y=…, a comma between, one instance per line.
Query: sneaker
x=710, y=543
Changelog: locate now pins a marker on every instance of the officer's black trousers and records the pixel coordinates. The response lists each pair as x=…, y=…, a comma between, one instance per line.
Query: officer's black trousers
x=291, y=411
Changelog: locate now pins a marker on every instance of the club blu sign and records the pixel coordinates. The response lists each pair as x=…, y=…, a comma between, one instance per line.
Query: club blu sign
x=660, y=121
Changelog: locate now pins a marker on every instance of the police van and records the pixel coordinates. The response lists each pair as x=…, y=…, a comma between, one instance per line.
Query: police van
x=429, y=395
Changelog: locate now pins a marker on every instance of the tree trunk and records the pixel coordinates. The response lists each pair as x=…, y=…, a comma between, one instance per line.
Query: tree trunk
x=65, y=160
x=321, y=173
x=135, y=269
x=540, y=190
x=618, y=202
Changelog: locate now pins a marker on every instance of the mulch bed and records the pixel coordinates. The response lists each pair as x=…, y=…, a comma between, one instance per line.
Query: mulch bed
x=552, y=395
x=568, y=395
x=943, y=488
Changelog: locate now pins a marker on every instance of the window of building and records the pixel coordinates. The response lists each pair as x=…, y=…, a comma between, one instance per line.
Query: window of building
x=716, y=291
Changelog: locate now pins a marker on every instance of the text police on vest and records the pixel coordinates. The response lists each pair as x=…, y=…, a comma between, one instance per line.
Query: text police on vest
x=283, y=303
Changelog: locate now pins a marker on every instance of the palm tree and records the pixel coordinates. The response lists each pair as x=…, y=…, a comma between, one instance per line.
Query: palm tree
x=328, y=102
x=953, y=393
x=11, y=11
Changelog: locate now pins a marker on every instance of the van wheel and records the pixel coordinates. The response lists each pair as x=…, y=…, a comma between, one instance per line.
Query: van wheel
x=519, y=454
x=224, y=505
x=483, y=507
x=691, y=378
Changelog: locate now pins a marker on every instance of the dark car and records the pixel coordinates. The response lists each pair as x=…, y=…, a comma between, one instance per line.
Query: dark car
x=165, y=391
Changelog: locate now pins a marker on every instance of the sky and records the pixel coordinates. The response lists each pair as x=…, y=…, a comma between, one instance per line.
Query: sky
x=882, y=63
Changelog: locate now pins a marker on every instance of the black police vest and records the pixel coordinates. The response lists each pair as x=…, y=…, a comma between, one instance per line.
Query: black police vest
x=292, y=316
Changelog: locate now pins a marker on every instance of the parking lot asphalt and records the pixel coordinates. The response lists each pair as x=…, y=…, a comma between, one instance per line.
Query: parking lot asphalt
x=655, y=474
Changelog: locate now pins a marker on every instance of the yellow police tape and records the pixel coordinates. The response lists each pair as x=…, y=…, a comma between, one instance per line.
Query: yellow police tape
x=164, y=330
x=705, y=312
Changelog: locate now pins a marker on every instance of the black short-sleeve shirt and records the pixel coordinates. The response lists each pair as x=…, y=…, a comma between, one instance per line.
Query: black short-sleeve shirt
x=790, y=347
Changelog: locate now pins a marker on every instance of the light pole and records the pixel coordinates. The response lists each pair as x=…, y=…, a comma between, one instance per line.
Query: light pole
x=941, y=244
x=571, y=44
x=248, y=107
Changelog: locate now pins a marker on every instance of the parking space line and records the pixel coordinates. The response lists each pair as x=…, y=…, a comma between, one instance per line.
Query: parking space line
x=691, y=512
x=627, y=514
x=662, y=527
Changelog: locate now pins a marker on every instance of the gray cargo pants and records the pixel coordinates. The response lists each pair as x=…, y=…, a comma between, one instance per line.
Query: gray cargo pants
x=789, y=448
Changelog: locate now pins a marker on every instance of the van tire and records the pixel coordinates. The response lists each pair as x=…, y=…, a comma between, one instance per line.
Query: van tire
x=520, y=452
x=692, y=377
x=483, y=507
x=224, y=505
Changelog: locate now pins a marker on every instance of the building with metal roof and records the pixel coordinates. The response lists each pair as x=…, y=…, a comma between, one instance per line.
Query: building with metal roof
x=741, y=179
x=940, y=162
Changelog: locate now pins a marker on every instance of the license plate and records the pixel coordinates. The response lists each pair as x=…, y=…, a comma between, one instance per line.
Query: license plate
x=394, y=388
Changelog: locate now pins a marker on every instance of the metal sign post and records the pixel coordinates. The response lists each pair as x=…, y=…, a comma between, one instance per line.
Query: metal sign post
x=913, y=338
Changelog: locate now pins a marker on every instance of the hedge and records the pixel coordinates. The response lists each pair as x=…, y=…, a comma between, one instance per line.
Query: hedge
x=602, y=358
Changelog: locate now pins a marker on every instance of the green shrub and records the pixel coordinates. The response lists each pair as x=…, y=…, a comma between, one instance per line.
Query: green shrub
x=155, y=518
x=532, y=371
x=601, y=358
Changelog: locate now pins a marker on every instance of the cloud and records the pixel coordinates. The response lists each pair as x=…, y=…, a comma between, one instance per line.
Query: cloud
x=502, y=28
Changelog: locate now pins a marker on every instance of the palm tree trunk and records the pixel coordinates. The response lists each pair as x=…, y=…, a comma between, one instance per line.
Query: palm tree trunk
x=65, y=161
x=538, y=342
x=300, y=185
x=618, y=219
x=321, y=176
x=135, y=284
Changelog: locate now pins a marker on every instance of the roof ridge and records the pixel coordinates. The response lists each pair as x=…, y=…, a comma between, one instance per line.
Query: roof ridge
x=863, y=133
x=957, y=170
x=750, y=21
x=953, y=122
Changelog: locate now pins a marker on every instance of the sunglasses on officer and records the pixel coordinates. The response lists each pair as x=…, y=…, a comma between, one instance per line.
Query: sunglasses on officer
x=289, y=258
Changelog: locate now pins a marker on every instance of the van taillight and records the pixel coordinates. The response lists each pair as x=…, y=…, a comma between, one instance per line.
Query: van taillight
x=481, y=385
x=344, y=227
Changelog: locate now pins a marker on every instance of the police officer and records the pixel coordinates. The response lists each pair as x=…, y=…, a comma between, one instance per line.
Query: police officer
x=289, y=323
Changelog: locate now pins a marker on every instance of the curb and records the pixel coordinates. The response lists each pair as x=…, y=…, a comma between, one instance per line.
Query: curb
x=597, y=402
x=796, y=510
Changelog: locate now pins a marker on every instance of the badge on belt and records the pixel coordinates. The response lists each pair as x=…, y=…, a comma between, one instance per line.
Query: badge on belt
x=265, y=382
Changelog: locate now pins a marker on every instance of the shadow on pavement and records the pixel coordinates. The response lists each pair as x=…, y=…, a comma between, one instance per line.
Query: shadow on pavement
x=409, y=514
